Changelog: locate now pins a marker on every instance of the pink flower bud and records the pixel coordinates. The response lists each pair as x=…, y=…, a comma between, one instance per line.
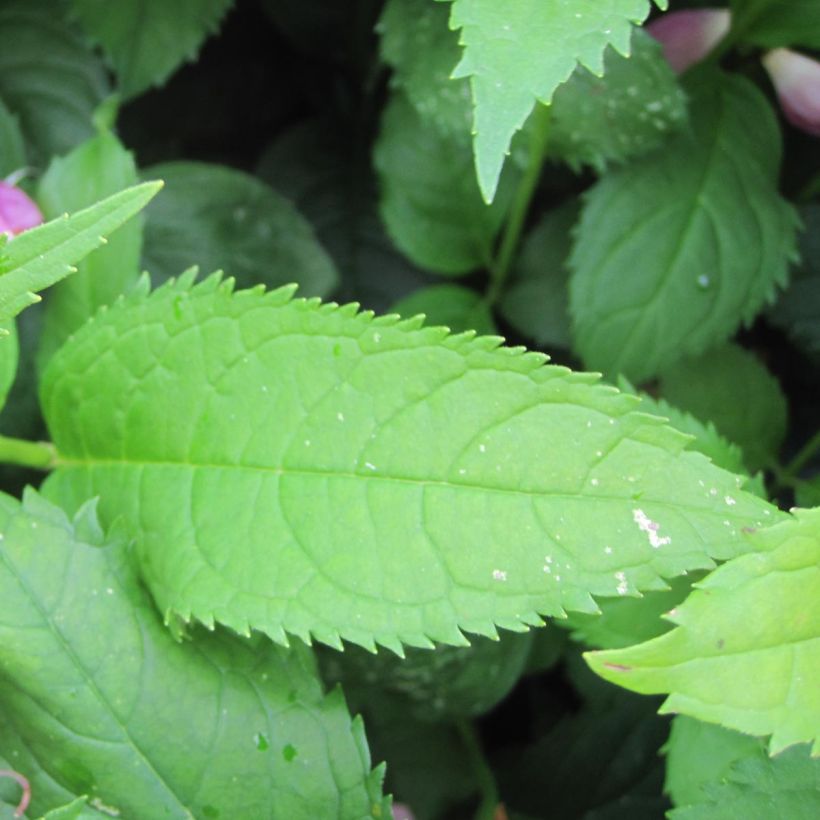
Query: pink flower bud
x=17, y=211
x=402, y=812
x=796, y=79
x=688, y=36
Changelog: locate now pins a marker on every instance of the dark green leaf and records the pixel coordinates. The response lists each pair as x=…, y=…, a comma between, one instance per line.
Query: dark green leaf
x=12, y=148
x=452, y=306
x=774, y=23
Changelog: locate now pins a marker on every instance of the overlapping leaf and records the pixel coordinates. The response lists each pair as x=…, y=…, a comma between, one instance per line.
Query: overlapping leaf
x=298, y=467
x=97, y=691
x=519, y=52
x=147, y=39
x=746, y=653
x=452, y=306
x=673, y=254
x=774, y=23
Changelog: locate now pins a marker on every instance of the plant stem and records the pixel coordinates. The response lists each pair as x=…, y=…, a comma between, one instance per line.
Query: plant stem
x=40, y=455
x=500, y=268
x=482, y=772
x=803, y=456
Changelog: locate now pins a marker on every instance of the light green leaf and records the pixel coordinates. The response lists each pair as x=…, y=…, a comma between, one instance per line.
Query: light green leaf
x=702, y=754
x=519, y=52
x=439, y=483
x=422, y=51
x=672, y=254
x=12, y=148
x=731, y=388
x=147, y=40
x=39, y=257
x=430, y=202
x=535, y=301
x=746, y=653
x=9, y=354
x=625, y=113
x=218, y=217
x=48, y=76
x=775, y=23
x=78, y=809
x=98, y=168
x=111, y=706
x=452, y=306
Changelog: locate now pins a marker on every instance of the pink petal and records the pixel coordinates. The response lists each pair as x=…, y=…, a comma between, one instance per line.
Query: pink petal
x=688, y=36
x=796, y=79
x=402, y=812
x=17, y=211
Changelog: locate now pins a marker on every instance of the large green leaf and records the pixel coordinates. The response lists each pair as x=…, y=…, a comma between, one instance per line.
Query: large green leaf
x=298, y=467
x=672, y=254
x=12, y=148
x=746, y=653
x=731, y=388
x=39, y=257
x=518, y=52
x=430, y=202
x=774, y=23
x=109, y=705
x=215, y=216
x=96, y=169
x=48, y=76
x=147, y=39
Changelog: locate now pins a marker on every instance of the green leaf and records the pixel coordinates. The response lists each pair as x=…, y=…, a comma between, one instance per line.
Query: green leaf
x=672, y=254
x=327, y=176
x=12, y=147
x=78, y=809
x=215, y=217
x=9, y=354
x=775, y=23
x=146, y=40
x=96, y=169
x=417, y=43
x=807, y=493
x=518, y=53
x=48, y=77
x=699, y=755
x=535, y=301
x=453, y=306
x=746, y=653
x=147, y=726
x=430, y=202
x=625, y=113
x=730, y=387
x=39, y=257
x=440, y=482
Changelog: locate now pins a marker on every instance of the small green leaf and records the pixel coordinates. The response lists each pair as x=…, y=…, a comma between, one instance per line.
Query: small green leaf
x=625, y=113
x=48, y=76
x=98, y=168
x=12, y=147
x=440, y=482
x=519, y=52
x=775, y=23
x=452, y=306
x=430, y=202
x=146, y=40
x=731, y=388
x=39, y=257
x=746, y=653
x=216, y=217
x=673, y=253
x=97, y=690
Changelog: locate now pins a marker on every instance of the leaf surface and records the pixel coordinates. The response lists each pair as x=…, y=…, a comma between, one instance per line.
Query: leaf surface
x=775, y=23
x=9, y=354
x=672, y=254
x=48, y=76
x=215, y=216
x=100, y=694
x=146, y=40
x=746, y=653
x=39, y=257
x=12, y=148
x=452, y=306
x=519, y=52
x=298, y=467
x=96, y=169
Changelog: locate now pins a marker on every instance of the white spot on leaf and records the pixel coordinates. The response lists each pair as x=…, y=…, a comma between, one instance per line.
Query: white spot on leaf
x=650, y=527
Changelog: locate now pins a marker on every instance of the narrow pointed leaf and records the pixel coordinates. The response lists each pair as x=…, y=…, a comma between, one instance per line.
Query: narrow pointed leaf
x=297, y=467
x=42, y=256
x=109, y=705
x=746, y=653
x=518, y=52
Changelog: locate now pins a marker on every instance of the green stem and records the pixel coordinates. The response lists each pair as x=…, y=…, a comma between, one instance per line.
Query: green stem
x=802, y=458
x=481, y=770
x=500, y=268
x=40, y=455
